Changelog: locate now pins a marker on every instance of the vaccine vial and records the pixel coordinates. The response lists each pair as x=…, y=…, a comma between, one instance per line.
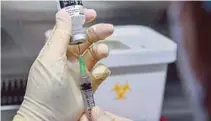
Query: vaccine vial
x=75, y=9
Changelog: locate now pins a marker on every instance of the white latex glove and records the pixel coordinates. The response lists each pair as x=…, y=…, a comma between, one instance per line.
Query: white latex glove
x=53, y=92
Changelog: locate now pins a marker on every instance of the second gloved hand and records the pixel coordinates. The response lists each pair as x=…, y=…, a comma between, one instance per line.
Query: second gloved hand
x=100, y=115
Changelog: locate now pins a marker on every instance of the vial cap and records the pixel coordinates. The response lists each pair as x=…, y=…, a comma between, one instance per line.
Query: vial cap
x=65, y=3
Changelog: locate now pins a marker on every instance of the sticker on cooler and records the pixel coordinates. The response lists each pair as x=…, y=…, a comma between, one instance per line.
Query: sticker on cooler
x=121, y=90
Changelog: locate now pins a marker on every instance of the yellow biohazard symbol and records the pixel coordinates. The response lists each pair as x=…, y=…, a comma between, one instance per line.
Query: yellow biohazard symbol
x=121, y=90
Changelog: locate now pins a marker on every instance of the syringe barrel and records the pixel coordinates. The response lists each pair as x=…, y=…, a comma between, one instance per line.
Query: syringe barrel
x=87, y=94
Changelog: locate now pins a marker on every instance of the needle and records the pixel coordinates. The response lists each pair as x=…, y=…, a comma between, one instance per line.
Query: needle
x=79, y=50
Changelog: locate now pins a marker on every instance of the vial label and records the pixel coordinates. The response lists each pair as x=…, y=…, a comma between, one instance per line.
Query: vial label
x=75, y=10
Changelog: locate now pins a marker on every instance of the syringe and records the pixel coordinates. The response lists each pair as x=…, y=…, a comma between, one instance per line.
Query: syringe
x=86, y=89
x=75, y=9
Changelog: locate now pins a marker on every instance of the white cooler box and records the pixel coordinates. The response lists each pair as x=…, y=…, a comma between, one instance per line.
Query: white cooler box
x=138, y=62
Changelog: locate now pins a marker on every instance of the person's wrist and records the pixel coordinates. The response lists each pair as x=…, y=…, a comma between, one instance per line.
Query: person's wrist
x=31, y=110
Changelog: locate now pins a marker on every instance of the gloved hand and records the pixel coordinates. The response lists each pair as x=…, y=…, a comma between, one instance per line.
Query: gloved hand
x=99, y=115
x=53, y=92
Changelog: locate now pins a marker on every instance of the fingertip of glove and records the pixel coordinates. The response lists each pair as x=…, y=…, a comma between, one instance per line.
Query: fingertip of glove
x=97, y=112
x=100, y=71
x=62, y=12
x=102, y=30
x=111, y=28
x=103, y=50
x=63, y=17
x=108, y=28
x=84, y=118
